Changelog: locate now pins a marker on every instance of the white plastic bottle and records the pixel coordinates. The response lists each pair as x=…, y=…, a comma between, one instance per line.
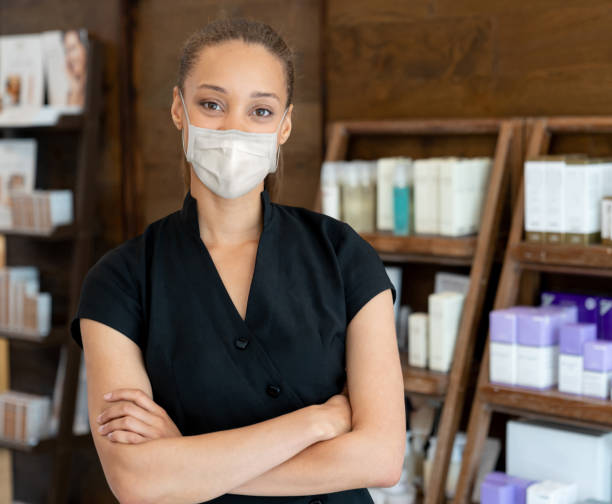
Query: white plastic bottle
x=330, y=188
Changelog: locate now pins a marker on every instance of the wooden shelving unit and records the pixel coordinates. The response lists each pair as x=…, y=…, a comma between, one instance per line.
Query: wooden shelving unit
x=522, y=257
x=73, y=244
x=474, y=251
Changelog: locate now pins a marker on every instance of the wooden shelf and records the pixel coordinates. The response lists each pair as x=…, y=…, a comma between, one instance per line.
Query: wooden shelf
x=57, y=233
x=56, y=337
x=63, y=122
x=584, y=257
x=405, y=248
x=423, y=381
x=549, y=404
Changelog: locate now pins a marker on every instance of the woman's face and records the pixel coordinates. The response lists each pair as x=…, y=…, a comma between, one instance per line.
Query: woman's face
x=235, y=85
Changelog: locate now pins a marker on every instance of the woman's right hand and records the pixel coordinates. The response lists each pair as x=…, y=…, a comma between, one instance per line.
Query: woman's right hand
x=337, y=415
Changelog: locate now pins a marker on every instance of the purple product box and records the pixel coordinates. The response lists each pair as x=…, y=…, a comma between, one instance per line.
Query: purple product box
x=540, y=327
x=572, y=337
x=503, y=324
x=568, y=313
x=519, y=485
x=492, y=492
x=587, y=305
x=604, y=321
x=598, y=356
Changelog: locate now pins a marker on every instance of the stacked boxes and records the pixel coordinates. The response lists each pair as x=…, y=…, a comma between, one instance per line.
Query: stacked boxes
x=41, y=211
x=563, y=199
x=23, y=309
x=24, y=418
x=449, y=194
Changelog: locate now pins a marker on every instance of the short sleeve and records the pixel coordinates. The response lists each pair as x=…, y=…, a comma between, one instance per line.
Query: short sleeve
x=110, y=295
x=363, y=272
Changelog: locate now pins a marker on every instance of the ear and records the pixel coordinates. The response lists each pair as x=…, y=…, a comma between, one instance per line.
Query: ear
x=176, y=110
x=286, y=127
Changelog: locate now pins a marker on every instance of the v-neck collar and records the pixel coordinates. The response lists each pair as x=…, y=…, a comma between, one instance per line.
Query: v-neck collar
x=189, y=216
x=189, y=211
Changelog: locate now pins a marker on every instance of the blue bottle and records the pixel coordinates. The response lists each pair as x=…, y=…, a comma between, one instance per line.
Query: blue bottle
x=401, y=199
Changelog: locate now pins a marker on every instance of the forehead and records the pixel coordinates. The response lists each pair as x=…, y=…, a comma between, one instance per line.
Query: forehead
x=239, y=68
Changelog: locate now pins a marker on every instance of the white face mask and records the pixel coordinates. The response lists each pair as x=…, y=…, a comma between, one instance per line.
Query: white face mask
x=230, y=162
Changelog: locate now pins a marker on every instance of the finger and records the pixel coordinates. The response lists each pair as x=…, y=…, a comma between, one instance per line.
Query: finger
x=125, y=437
x=131, y=424
x=127, y=408
x=137, y=396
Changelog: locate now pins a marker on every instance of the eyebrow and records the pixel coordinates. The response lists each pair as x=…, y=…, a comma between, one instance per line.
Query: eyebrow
x=254, y=94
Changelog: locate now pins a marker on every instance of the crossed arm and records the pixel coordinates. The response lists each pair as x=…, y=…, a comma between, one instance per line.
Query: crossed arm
x=292, y=454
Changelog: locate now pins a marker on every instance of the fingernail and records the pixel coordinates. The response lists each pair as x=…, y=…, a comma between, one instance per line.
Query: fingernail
x=101, y=428
x=108, y=395
x=99, y=418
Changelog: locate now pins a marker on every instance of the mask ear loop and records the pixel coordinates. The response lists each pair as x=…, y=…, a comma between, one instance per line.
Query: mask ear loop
x=278, y=146
x=188, y=122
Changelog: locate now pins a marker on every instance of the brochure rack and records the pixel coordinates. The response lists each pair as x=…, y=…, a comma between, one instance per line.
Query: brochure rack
x=64, y=256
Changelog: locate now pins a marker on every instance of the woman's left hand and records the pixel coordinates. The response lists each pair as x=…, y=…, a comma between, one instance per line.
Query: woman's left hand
x=134, y=418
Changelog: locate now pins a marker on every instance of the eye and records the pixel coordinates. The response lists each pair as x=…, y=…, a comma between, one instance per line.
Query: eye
x=263, y=112
x=210, y=105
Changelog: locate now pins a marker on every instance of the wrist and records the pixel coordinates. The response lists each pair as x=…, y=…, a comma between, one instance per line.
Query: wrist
x=319, y=423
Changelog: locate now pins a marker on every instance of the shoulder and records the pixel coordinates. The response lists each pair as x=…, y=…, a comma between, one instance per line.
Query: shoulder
x=295, y=219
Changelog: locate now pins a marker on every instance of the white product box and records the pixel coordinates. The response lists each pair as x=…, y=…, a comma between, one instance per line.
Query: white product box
x=445, y=311
x=24, y=417
x=418, y=324
x=582, y=195
x=551, y=492
x=570, y=373
x=537, y=367
x=534, y=449
x=426, y=195
x=554, y=210
x=606, y=220
x=535, y=199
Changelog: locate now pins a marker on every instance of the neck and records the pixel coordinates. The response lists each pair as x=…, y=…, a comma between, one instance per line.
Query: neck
x=225, y=221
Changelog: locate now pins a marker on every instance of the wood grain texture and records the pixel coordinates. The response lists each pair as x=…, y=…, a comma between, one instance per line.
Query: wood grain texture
x=467, y=58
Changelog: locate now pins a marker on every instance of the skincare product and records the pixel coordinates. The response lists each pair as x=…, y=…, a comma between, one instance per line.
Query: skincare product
x=597, y=369
x=445, y=311
x=401, y=197
x=426, y=196
x=503, y=330
x=606, y=220
x=587, y=305
x=418, y=328
x=581, y=201
x=330, y=188
x=604, y=321
x=571, y=346
x=538, y=349
x=351, y=197
x=385, y=171
x=552, y=492
x=541, y=450
x=535, y=200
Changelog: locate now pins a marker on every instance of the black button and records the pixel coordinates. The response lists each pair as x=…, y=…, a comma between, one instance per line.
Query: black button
x=241, y=343
x=273, y=390
x=316, y=501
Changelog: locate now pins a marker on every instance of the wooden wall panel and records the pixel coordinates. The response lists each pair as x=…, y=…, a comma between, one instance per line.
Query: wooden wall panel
x=465, y=58
x=156, y=57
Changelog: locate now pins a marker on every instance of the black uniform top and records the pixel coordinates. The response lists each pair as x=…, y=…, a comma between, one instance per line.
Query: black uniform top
x=210, y=369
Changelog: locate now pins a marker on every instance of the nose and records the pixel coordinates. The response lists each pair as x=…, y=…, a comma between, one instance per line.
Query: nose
x=232, y=121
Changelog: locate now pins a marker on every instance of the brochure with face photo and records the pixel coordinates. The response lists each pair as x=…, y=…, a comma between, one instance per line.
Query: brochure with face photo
x=17, y=172
x=65, y=56
x=21, y=71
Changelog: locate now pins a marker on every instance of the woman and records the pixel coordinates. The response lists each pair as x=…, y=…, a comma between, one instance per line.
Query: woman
x=232, y=332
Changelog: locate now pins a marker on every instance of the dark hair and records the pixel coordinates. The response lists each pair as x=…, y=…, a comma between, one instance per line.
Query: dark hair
x=250, y=32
